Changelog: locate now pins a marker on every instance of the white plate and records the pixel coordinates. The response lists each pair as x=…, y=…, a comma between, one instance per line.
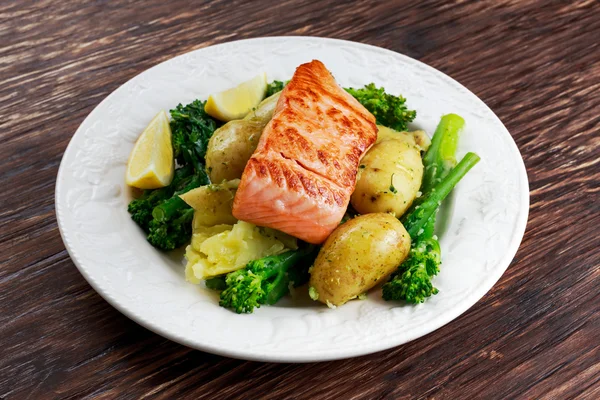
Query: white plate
x=488, y=221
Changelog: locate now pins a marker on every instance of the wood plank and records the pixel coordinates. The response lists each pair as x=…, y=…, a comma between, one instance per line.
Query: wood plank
x=534, y=335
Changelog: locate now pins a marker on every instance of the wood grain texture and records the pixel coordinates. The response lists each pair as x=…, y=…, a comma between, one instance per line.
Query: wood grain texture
x=534, y=335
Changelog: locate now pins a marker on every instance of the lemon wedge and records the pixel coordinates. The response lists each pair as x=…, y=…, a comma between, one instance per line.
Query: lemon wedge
x=150, y=164
x=236, y=102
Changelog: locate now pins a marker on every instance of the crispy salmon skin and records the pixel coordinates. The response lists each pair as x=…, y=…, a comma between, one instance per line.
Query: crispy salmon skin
x=301, y=175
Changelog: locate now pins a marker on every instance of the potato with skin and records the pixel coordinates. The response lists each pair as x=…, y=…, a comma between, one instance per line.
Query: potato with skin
x=232, y=145
x=390, y=173
x=421, y=139
x=357, y=256
x=212, y=203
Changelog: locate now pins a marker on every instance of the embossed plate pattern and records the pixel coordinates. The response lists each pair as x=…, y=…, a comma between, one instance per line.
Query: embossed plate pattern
x=490, y=208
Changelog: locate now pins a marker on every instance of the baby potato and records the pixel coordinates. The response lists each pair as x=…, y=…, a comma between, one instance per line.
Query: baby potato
x=357, y=256
x=420, y=137
x=232, y=145
x=390, y=173
x=212, y=203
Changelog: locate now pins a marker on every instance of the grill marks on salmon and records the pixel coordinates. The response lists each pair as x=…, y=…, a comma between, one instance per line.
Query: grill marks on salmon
x=300, y=178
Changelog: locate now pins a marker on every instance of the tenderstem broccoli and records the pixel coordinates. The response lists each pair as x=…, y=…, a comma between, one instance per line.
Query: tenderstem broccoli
x=389, y=110
x=263, y=281
x=170, y=207
x=191, y=128
x=412, y=281
x=274, y=87
x=173, y=233
x=416, y=220
x=440, y=158
x=141, y=208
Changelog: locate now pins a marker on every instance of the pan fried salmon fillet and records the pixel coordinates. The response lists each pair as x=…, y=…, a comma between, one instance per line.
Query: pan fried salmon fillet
x=301, y=175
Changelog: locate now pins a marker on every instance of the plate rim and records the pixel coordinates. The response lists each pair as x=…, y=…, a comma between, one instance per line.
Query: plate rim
x=428, y=327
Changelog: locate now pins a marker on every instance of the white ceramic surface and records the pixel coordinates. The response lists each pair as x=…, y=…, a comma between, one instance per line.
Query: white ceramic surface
x=488, y=221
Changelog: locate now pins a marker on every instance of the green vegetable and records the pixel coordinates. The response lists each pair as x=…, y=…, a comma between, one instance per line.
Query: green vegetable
x=274, y=87
x=412, y=281
x=170, y=207
x=299, y=274
x=416, y=219
x=389, y=110
x=217, y=283
x=191, y=128
x=263, y=281
x=161, y=213
x=440, y=157
x=171, y=226
x=349, y=214
x=141, y=208
x=171, y=234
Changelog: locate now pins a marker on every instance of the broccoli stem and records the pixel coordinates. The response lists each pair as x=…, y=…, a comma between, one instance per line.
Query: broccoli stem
x=169, y=208
x=440, y=157
x=216, y=283
x=185, y=218
x=415, y=222
x=299, y=274
x=156, y=195
x=429, y=228
x=280, y=286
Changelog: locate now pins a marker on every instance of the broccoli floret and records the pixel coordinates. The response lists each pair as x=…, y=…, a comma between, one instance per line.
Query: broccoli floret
x=412, y=281
x=141, y=208
x=263, y=281
x=274, y=87
x=191, y=129
x=173, y=233
x=389, y=110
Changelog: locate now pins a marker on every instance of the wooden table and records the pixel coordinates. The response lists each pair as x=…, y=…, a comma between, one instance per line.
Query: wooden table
x=534, y=335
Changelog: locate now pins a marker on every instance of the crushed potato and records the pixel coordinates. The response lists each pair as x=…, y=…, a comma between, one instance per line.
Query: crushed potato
x=220, y=249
